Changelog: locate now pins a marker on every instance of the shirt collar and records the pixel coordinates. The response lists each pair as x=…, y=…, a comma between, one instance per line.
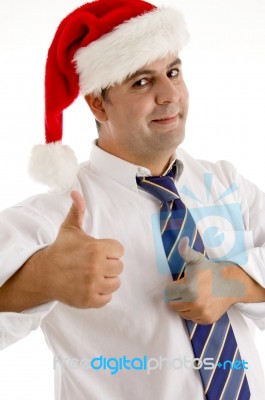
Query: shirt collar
x=122, y=171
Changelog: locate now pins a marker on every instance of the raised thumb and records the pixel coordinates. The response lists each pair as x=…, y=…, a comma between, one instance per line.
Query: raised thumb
x=75, y=216
x=187, y=253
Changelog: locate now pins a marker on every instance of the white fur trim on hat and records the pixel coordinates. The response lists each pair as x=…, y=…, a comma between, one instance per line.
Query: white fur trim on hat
x=54, y=165
x=120, y=53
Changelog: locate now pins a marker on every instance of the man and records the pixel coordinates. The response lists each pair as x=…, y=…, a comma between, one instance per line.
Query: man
x=93, y=274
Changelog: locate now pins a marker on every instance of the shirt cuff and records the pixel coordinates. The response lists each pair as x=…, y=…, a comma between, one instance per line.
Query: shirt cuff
x=15, y=326
x=14, y=263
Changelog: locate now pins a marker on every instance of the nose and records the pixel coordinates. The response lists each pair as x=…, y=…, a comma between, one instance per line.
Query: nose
x=167, y=91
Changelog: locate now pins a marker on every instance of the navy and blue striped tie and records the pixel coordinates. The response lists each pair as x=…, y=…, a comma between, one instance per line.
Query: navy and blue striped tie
x=216, y=341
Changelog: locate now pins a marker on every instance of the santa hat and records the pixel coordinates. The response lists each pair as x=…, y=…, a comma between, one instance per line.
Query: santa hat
x=98, y=45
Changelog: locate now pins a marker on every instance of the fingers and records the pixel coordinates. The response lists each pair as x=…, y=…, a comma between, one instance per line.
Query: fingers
x=109, y=285
x=99, y=296
x=196, y=313
x=203, y=308
x=181, y=294
x=174, y=291
x=187, y=314
x=198, y=318
x=184, y=290
x=101, y=300
x=113, y=248
x=113, y=268
x=85, y=269
x=75, y=216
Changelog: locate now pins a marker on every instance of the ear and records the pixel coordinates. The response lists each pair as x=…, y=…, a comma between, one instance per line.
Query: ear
x=97, y=107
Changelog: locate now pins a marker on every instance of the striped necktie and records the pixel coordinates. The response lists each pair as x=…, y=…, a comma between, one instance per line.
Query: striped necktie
x=216, y=341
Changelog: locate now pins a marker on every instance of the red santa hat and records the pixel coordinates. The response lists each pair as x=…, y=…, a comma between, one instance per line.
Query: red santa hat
x=97, y=46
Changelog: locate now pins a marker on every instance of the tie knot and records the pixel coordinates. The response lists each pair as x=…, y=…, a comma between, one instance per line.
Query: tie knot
x=162, y=187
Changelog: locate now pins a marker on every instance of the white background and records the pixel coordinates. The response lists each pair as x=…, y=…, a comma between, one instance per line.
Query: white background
x=224, y=67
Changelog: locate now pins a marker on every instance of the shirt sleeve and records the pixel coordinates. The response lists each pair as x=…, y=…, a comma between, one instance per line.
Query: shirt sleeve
x=23, y=231
x=252, y=201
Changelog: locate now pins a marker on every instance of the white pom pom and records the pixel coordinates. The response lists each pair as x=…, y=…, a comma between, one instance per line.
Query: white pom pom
x=54, y=165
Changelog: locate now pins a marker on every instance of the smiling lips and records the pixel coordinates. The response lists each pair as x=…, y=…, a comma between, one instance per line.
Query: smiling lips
x=167, y=120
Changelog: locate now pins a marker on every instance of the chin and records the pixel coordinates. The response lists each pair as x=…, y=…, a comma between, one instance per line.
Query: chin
x=172, y=141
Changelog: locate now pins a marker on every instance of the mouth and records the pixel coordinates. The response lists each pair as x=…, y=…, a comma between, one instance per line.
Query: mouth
x=167, y=120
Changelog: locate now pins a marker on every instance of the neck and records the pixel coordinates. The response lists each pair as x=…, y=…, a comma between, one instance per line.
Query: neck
x=157, y=164
x=158, y=169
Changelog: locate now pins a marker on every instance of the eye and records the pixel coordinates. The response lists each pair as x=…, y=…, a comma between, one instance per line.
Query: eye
x=141, y=82
x=173, y=73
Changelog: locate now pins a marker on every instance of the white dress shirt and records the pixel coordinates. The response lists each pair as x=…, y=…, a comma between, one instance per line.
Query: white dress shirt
x=135, y=347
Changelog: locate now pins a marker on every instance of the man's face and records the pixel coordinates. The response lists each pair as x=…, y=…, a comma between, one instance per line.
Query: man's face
x=145, y=116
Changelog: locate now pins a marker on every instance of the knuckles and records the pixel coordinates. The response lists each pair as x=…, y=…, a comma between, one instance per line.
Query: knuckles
x=204, y=314
x=108, y=248
x=116, y=284
x=85, y=269
x=92, y=301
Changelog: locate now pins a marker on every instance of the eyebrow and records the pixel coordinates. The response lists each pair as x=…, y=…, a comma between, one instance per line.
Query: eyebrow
x=177, y=61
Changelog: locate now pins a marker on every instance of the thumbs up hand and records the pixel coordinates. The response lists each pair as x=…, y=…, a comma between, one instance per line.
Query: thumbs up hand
x=83, y=271
x=208, y=288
